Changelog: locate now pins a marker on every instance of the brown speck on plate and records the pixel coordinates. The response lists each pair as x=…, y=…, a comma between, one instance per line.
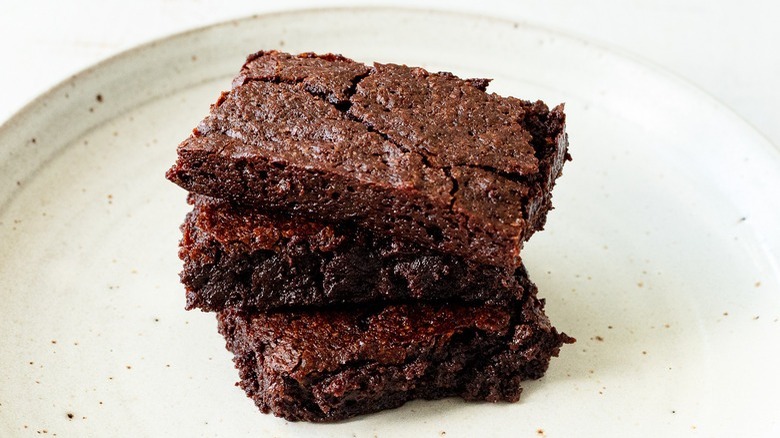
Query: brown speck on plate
x=99, y=98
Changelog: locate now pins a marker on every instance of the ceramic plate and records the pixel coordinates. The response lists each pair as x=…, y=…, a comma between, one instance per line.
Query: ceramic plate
x=661, y=256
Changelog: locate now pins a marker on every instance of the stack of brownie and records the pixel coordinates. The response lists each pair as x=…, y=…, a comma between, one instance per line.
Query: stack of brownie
x=358, y=229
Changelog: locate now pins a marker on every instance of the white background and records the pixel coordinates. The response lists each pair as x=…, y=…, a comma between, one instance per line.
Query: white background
x=731, y=49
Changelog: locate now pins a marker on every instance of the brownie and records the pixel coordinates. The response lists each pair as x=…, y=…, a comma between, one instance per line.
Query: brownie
x=428, y=158
x=237, y=256
x=327, y=365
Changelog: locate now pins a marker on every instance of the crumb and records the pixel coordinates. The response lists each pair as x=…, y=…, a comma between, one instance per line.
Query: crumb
x=70, y=415
x=538, y=431
x=53, y=341
x=599, y=338
x=281, y=43
x=128, y=367
x=442, y=433
x=92, y=110
x=644, y=352
x=640, y=284
x=18, y=183
x=99, y=98
x=725, y=313
x=156, y=319
x=758, y=284
x=609, y=327
x=33, y=140
x=755, y=317
x=666, y=326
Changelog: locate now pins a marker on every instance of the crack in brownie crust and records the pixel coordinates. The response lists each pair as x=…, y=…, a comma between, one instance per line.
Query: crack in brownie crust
x=326, y=365
x=236, y=256
x=429, y=158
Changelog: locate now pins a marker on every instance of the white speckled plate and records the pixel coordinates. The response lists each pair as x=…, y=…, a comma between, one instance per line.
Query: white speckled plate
x=661, y=256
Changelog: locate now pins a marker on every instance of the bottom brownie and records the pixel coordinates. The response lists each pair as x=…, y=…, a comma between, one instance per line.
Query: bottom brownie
x=326, y=365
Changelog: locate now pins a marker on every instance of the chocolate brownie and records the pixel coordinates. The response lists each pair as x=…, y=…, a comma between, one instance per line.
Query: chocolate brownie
x=426, y=157
x=237, y=256
x=326, y=365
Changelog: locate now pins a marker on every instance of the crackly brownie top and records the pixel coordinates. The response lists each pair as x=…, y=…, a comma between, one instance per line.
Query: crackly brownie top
x=388, y=125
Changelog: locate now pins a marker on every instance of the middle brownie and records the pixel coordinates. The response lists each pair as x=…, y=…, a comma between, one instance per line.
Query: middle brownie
x=238, y=257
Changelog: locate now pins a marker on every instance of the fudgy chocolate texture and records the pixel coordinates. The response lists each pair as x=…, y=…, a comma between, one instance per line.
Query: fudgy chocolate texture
x=426, y=157
x=333, y=364
x=237, y=256
x=329, y=365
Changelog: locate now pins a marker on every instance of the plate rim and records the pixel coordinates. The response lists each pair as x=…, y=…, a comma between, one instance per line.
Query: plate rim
x=659, y=70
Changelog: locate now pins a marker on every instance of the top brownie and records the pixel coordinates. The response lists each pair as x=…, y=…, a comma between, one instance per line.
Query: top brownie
x=426, y=157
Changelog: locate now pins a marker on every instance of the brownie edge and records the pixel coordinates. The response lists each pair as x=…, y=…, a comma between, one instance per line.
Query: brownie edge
x=330, y=365
x=238, y=257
